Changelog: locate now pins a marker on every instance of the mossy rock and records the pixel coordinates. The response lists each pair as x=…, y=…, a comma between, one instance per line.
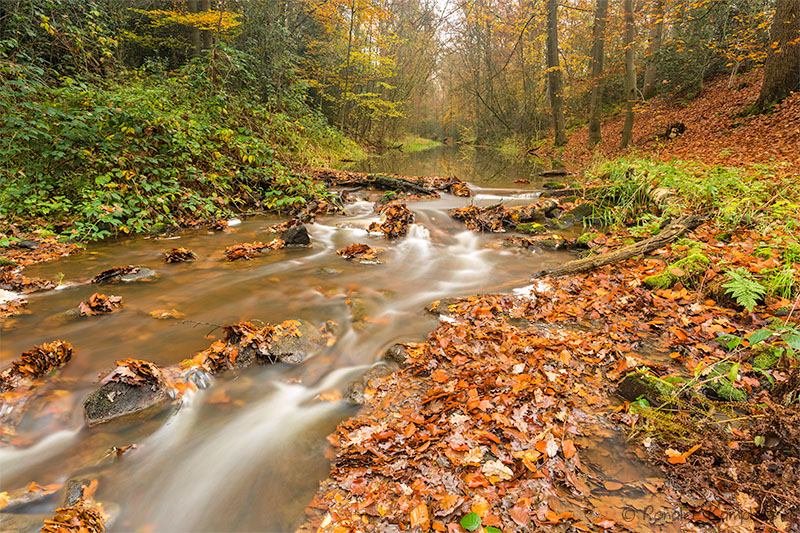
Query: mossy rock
x=564, y=222
x=639, y=384
x=684, y=270
x=766, y=358
x=588, y=237
x=554, y=185
x=6, y=262
x=531, y=228
x=580, y=212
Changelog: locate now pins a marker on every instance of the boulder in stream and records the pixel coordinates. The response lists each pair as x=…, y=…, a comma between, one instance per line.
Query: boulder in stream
x=133, y=387
x=296, y=236
x=245, y=344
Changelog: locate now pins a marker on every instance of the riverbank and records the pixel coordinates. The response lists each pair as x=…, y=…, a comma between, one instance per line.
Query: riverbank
x=690, y=351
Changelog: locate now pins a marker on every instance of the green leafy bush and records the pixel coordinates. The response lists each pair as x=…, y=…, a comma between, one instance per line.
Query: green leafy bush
x=123, y=155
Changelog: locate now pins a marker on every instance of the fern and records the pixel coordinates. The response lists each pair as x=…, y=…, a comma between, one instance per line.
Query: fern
x=743, y=288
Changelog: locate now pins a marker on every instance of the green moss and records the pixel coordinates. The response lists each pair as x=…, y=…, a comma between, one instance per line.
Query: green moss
x=766, y=358
x=685, y=270
x=764, y=253
x=554, y=185
x=642, y=384
x=531, y=228
x=588, y=237
x=721, y=386
x=5, y=261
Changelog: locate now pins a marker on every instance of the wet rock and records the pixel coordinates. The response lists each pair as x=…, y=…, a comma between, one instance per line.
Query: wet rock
x=397, y=354
x=355, y=391
x=114, y=400
x=637, y=385
x=286, y=347
x=73, y=491
x=531, y=228
x=28, y=245
x=393, y=359
x=126, y=274
x=245, y=345
x=296, y=236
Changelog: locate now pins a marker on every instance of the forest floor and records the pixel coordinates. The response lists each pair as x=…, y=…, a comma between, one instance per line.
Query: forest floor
x=716, y=133
x=509, y=416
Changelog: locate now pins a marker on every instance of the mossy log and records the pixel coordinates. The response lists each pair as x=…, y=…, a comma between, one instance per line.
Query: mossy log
x=378, y=181
x=672, y=232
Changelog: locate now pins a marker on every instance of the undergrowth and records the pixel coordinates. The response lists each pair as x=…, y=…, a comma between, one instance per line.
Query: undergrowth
x=149, y=147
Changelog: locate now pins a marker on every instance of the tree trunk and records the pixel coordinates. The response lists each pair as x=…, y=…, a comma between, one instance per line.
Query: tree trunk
x=653, y=46
x=598, y=55
x=205, y=5
x=194, y=7
x=554, y=74
x=782, y=69
x=630, y=74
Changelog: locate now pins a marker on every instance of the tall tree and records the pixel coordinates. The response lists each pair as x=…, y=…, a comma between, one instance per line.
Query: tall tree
x=205, y=5
x=554, y=74
x=653, y=46
x=598, y=55
x=782, y=68
x=630, y=73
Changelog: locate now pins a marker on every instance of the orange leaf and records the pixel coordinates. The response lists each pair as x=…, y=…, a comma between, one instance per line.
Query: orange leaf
x=568, y=447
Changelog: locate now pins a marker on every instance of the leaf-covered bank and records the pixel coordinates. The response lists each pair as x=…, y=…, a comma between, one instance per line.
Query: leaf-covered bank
x=692, y=351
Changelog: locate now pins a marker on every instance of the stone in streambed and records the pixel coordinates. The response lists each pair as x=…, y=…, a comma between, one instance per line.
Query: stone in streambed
x=73, y=491
x=296, y=236
x=393, y=359
x=114, y=400
x=286, y=347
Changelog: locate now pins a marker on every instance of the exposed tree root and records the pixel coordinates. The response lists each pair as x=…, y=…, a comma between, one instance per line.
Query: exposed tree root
x=672, y=232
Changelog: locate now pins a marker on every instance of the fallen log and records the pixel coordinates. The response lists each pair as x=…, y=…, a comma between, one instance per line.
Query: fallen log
x=378, y=181
x=670, y=233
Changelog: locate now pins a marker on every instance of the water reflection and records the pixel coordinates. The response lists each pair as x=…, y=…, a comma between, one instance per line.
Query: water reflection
x=484, y=167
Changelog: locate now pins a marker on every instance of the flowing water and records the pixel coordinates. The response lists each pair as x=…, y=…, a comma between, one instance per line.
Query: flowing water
x=247, y=453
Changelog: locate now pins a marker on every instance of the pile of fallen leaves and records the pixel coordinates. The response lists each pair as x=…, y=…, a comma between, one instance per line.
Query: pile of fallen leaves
x=497, y=217
x=98, y=304
x=84, y=517
x=359, y=251
x=137, y=373
x=179, y=255
x=14, y=281
x=244, y=345
x=396, y=219
x=37, y=362
x=483, y=420
x=37, y=249
x=249, y=250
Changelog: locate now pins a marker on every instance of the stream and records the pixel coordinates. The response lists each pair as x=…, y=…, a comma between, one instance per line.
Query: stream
x=248, y=453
